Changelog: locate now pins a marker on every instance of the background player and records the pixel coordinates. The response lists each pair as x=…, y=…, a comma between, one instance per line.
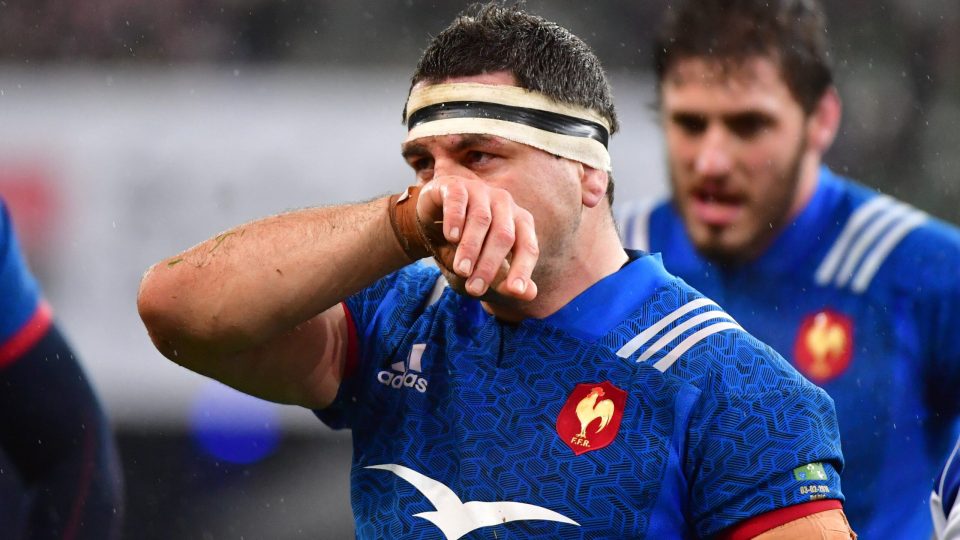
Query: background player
x=943, y=500
x=53, y=433
x=521, y=396
x=858, y=290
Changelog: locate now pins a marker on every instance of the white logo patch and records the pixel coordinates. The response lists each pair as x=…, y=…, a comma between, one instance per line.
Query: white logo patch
x=456, y=518
x=399, y=376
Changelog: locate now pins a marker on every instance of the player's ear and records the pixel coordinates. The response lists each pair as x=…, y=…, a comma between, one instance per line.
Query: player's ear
x=593, y=185
x=824, y=121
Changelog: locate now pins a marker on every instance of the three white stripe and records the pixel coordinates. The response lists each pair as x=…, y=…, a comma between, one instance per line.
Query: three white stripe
x=871, y=233
x=677, y=351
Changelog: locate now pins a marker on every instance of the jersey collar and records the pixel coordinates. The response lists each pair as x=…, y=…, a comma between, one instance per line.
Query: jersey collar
x=603, y=306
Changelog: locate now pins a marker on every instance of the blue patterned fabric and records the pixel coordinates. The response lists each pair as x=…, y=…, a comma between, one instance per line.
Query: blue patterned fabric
x=889, y=271
x=19, y=292
x=455, y=416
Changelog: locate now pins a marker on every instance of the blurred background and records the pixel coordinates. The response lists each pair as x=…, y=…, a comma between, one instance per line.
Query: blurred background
x=132, y=129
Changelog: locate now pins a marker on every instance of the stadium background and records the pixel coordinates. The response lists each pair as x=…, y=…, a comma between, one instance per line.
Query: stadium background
x=131, y=129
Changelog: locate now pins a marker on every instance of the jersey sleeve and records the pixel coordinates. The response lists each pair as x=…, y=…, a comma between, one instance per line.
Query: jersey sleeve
x=378, y=319
x=58, y=439
x=753, y=453
x=24, y=317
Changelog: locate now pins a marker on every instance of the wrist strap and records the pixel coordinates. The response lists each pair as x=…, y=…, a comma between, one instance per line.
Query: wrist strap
x=417, y=240
x=402, y=209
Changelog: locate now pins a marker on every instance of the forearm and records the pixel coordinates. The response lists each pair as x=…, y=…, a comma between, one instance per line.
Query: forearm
x=241, y=288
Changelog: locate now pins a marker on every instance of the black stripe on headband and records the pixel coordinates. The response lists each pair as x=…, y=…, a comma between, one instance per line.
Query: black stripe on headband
x=545, y=120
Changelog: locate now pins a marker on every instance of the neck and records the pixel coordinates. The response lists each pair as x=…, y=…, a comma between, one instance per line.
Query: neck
x=807, y=186
x=595, y=254
x=809, y=174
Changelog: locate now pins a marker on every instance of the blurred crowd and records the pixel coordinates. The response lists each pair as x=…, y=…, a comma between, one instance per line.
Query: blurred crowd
x=896, y=59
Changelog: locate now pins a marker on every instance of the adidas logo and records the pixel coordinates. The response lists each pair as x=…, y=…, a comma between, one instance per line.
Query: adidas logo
x=400, y=376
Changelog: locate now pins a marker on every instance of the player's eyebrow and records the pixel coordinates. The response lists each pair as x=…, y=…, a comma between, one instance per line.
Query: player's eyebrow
x=416, y=149
x=477, y=139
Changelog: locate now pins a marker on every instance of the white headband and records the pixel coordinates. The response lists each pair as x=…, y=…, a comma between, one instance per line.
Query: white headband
x=513, y=113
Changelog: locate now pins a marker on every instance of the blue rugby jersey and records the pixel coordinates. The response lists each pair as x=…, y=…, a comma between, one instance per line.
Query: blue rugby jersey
x=638, y=410
x=943, y=500
x=24, y=317
x=862, y=294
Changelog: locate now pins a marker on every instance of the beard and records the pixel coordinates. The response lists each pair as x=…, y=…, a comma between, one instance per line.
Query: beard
x=764, y=219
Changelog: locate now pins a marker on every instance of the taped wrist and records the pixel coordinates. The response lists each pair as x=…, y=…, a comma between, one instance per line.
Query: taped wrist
x=402, y=209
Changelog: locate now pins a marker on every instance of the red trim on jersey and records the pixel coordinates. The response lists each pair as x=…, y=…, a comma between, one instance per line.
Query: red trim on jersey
x=764, y=522
x=350, y=366
x=28, y=335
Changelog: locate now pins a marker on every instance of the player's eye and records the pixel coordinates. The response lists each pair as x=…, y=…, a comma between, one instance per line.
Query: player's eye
x=421, y=164
x=476, y=157
x=690, y=124
x=748, y=126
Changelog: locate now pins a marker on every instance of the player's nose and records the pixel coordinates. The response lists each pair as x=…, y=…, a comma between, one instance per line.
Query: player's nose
x=450, y=166
x=714, y=156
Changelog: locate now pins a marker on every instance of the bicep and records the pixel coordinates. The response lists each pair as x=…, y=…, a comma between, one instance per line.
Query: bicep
x=303, y=366
x=816, y=519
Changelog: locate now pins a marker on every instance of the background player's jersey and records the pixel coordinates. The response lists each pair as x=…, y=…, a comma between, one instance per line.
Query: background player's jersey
x=24, y=317
x=639, y=410
x=943, y=501
x=862, y=294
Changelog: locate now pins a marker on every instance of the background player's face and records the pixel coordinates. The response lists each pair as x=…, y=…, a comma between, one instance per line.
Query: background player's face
x=543, y=184
x=736, y=149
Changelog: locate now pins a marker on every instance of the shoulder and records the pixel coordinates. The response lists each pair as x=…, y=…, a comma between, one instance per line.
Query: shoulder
x=928, y=255
x=24, y=317
x=884, y=242
x=6, y=233
x=405, y=292
x=686, y=335
x=414, y=280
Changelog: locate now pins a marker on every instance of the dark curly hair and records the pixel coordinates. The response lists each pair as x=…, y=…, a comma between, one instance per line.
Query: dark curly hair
x=542, y=55
x=791, y=32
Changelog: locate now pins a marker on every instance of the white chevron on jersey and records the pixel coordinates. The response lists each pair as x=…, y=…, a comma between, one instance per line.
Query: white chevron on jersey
x=664, y=363
x=946, y=521
x=870, y=234
x=872, y=263
x=689, y=321
x=438, y=288
x=860, y=216
x=631, y=346
x=456, y=518
x=634, y=220
x=680, y=329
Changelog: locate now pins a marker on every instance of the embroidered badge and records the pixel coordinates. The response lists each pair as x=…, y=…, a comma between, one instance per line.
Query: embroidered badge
x=590, y=419
x=824, y=346
x=810, y=471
